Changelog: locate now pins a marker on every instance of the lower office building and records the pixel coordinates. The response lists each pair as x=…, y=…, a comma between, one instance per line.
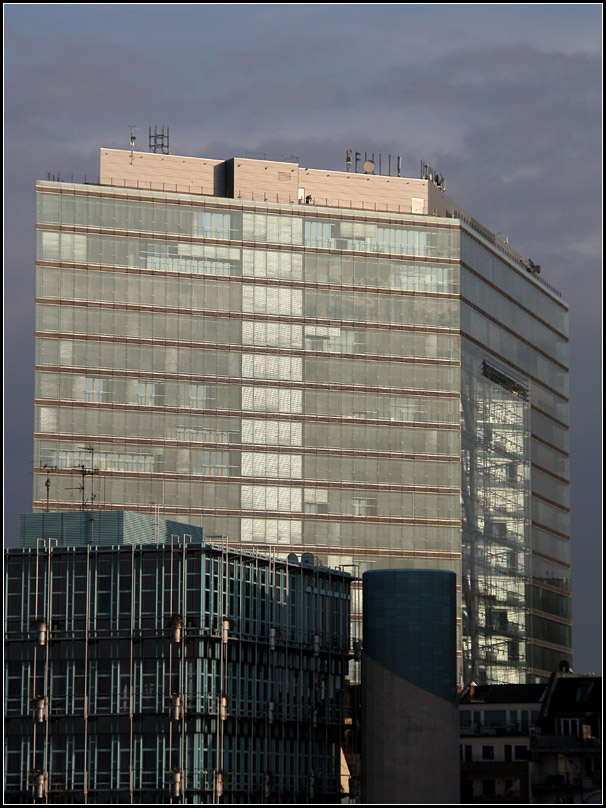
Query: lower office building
x=172, y=671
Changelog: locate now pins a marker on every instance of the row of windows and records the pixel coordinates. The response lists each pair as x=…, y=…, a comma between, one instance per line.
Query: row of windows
x=511, y=315
x=360, y=470
x=223, y=396
x=513, y=283
x=92, y=354
x=230, y=331
x=186, y=257
x=180, y=219
x=161, y=426
x=235, y=296
x=164, y=584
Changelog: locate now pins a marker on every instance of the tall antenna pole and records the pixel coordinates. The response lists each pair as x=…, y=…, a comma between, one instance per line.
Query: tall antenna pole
x=132, y=141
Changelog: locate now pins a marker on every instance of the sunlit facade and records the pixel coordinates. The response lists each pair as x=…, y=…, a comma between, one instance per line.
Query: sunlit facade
x=313, y=361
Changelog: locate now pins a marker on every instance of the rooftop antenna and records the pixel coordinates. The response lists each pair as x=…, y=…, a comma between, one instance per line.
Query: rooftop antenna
x=48, y=483
x=158, y=141
x=85, y=471
x=133, y=128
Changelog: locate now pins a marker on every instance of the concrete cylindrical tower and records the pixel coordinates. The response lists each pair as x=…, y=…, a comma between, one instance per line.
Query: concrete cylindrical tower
x=410, y=737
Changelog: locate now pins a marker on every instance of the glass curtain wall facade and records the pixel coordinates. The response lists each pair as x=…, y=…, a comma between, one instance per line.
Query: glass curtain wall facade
x=287, y=375
x=172, y=673
x=515, y=470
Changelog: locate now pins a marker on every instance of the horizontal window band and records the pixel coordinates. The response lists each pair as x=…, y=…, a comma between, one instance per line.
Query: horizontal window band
x=244, y=381
x=550, y=530
x=550, y=474
x=243, y=315
x=551, y=588
x=550, y=502
x=548, y=616
x=265, y=481
x=287, y=515
x=515, y=367
x=285, y=209
x=247, y=447
x=283, y=283
x=243, y=243
x=551, y=559
x=542, y=644
x=264, y=416
x=549, y=445
x=248, y=349
x=315, y=321
x=513, y=300
x=138, y=195
x=514, y=334
x=515, y=263
x=550, y=418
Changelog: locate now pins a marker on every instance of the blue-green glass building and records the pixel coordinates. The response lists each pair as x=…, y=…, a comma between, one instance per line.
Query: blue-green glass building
x=325, y=361
x=176, y=671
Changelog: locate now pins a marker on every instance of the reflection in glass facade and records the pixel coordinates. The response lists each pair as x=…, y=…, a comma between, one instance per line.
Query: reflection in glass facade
x=312, y=378
x=175, y=672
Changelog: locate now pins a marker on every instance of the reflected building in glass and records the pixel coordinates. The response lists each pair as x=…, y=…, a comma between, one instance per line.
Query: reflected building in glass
x=323, y=361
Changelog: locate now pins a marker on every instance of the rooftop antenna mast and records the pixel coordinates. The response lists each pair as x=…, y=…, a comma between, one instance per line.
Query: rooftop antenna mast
x=47, y=483
x=158, y=141
x=133, y=128
x=85, y=471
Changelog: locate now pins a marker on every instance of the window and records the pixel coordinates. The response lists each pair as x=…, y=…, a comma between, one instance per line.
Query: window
x=489, y=788
x=198, y=396
x=212, y=224
x=315, y=500
x=147, y=393
x=465, y=719
x=96, y=389
x=494, y=718
x=488, y=753
x=320, y=234
x=364, y=506
x=521, y=752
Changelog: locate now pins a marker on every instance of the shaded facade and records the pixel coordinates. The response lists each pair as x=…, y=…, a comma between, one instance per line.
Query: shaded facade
x=319, y=361
x=495, y=726
x=174, y=672
x=566, y=750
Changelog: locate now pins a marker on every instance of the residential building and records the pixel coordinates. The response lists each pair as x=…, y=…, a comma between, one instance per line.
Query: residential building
x=495, y=726
x=171, y=672
x=325, y=361
x=566, y=748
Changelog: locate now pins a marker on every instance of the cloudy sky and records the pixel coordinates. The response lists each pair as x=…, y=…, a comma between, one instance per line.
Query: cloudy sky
x=504, y=100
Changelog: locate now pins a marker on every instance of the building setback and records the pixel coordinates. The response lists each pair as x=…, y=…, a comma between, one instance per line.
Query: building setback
x=172, y=672
x=334, y=362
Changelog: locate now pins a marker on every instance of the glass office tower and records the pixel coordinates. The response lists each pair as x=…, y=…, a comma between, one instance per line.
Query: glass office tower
x=328, y=362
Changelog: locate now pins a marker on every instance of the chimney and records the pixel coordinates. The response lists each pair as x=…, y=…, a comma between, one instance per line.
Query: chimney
x=472, y=689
